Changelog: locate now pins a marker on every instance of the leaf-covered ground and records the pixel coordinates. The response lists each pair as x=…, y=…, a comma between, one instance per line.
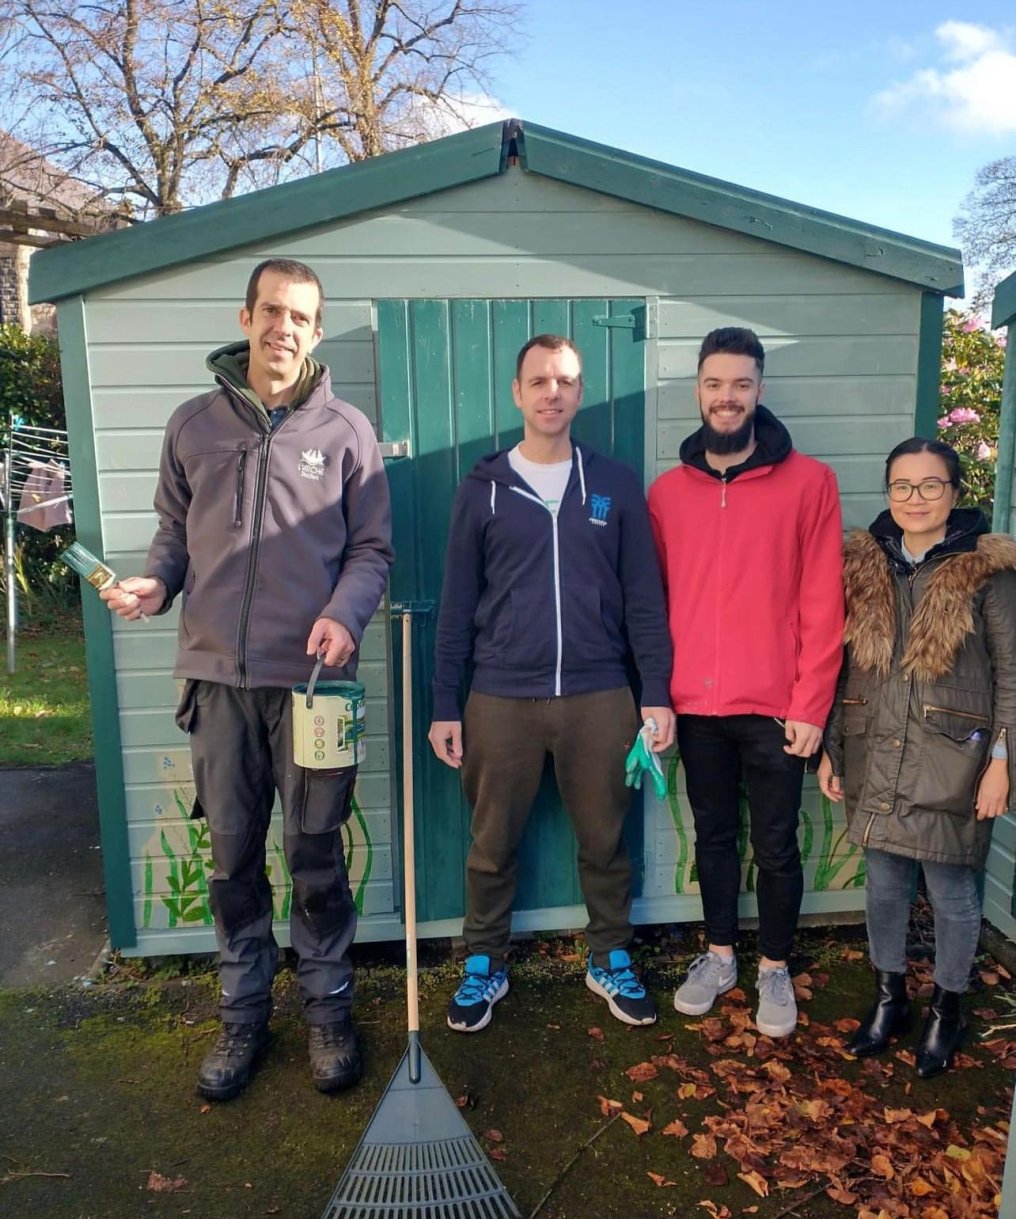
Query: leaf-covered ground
x=580, y=1115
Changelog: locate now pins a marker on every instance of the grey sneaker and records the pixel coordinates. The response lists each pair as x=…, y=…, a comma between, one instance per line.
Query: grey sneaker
x=708, y=976
x=777, y=1007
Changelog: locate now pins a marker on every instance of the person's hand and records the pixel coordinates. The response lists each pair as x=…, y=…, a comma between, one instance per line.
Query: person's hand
x=332, y=641
x=803, y=739
x=135, y=597
x=445, y=738
x=829, y=784
x=993, y=790
x=663, y=737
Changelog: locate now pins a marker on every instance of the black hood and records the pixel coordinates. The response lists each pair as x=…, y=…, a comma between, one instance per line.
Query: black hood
x=962, y=529
x=772, y=445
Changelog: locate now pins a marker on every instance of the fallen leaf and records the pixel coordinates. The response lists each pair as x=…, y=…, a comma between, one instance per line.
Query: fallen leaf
x=843, y=1196
x=595, y=1033
x=609, y=1107
x=988, y=977
x=757, y=1182
x=847, y=1024
x=852, y=954
x=659, y=1179
x=703, y=1146
x=158, y=1184
x=637, y=1098
x=676, y=1127
x=919, y=1187
x=493, y=1136
x=716, y=1174
x=556, y=1027
x=498, y=1153
x=897, y=1115
x=638, y=1124
x=642, y=1072
x=882, y=1166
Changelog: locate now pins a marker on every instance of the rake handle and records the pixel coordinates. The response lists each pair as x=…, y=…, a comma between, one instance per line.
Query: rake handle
x=409, y=844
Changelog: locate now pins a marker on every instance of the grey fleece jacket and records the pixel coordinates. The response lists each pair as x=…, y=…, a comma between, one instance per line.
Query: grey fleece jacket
x=265, y=531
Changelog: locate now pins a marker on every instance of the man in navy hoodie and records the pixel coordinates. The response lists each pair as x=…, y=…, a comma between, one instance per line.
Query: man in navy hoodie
x=551, y=588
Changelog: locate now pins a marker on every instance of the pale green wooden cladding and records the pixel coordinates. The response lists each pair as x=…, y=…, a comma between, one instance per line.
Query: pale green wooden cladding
x=444, y=241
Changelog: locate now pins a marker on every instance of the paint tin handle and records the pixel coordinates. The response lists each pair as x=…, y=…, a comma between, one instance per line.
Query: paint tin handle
x=313, y=679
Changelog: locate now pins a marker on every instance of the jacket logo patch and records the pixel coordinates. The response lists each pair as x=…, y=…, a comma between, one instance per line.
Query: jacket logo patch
x=600, y=505
x=312, y=464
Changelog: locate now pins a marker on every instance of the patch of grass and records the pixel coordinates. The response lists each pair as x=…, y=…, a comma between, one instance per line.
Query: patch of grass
x=44, y=704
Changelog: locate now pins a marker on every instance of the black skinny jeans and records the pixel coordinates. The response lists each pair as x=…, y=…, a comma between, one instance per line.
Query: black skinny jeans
x=718, y=752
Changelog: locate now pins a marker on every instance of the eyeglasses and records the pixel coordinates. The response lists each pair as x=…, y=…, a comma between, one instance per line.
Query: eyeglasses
x=928, y=488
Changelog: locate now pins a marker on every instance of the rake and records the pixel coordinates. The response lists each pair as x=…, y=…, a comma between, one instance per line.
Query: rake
x=417, y=1158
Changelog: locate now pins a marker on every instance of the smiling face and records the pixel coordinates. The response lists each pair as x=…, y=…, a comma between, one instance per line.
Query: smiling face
x=548, y=392
x=728, y=390
x=282, y=329
x=923, y=521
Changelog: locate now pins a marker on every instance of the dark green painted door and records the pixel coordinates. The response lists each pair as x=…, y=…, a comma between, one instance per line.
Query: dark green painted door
x=446, y=369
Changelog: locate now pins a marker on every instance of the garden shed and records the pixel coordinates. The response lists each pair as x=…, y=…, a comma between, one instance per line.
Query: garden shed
x=438, y=262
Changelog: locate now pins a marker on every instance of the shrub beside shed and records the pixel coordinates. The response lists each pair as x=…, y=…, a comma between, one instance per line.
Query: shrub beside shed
x=438, y=262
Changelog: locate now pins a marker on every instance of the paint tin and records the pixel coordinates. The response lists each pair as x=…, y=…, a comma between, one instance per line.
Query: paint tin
x=329, y=719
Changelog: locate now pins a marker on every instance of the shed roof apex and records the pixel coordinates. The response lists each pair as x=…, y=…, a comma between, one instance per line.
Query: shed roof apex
x=470, y=156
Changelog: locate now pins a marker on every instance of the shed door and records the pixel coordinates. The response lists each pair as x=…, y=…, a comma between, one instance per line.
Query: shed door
x=446, y=369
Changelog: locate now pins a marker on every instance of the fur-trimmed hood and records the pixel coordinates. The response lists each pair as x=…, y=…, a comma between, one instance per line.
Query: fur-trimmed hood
x=943, y=617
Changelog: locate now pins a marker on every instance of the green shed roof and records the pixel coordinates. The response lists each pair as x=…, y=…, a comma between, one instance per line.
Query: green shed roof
x=72, y=269
x=1003, y=307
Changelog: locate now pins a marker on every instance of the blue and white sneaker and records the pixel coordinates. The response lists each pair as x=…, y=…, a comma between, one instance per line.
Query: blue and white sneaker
x=619, y=984
x=473, y=1003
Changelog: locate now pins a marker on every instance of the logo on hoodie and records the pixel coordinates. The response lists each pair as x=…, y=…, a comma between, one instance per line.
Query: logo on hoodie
x=312, y=464
x=600, y=505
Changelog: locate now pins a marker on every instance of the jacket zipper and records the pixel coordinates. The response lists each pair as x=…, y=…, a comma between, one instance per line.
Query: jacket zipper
x=867, y=830
x=241, y=467
x=854, y=702
x=723, y=493
x=557, y=582
x=963, y=715
x=246, y=601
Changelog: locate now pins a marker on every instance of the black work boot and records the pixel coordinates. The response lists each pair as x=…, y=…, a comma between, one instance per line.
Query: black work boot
x=942, y=1033
x=334, y=1055
x=227, y=1067
x=888, y=1018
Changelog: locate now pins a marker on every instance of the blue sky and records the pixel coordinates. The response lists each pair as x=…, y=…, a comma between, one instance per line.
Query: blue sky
x=878, y=111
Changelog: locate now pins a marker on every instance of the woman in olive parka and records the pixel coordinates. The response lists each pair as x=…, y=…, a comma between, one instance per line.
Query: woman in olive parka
x=922, y=734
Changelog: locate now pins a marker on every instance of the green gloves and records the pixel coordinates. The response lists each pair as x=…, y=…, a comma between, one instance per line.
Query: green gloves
x=642, y=760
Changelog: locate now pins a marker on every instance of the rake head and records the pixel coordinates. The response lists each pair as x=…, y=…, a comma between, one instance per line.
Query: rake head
x=418, y=1159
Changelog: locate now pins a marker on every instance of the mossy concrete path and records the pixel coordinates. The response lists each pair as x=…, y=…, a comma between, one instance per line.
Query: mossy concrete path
x=689, y=1118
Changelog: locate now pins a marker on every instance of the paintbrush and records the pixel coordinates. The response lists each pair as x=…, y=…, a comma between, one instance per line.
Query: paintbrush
x=91, y=569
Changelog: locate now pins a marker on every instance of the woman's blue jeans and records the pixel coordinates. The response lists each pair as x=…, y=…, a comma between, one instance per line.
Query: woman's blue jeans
x=952, y=891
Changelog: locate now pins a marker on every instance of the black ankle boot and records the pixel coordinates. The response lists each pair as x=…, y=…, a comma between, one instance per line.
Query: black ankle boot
x=942, y=1033
x=889, y=1017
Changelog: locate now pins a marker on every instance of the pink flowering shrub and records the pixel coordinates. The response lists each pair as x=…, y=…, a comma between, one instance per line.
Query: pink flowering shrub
x=973, y=362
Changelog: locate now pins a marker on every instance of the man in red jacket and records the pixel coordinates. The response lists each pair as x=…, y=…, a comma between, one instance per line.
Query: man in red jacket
x=750, y=542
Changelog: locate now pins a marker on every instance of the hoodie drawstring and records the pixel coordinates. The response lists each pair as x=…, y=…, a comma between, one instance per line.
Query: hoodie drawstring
x=493, y=496
x=582, y=474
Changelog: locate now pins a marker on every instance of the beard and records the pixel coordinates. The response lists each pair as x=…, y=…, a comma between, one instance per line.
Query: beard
x=723, y=443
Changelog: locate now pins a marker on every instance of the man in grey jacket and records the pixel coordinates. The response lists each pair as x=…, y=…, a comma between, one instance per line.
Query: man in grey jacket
x=275, y=524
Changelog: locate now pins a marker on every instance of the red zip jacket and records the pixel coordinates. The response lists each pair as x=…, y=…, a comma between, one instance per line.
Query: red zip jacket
x=753, y=570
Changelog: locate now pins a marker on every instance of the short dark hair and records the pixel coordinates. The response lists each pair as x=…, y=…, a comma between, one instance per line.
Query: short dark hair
x=733, y=341
x=552, y=342
x=298, y=272
x=917, y=444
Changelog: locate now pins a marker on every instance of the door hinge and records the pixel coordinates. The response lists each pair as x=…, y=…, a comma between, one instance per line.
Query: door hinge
x=641, y=321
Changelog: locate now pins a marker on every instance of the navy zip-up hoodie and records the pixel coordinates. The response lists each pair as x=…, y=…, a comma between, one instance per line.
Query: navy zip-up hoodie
x=544, y=607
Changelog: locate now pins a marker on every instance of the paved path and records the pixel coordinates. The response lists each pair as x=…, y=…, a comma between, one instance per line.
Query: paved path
x=52, y=905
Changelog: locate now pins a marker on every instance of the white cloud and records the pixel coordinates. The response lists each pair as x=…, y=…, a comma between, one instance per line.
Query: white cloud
x=975, y=88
